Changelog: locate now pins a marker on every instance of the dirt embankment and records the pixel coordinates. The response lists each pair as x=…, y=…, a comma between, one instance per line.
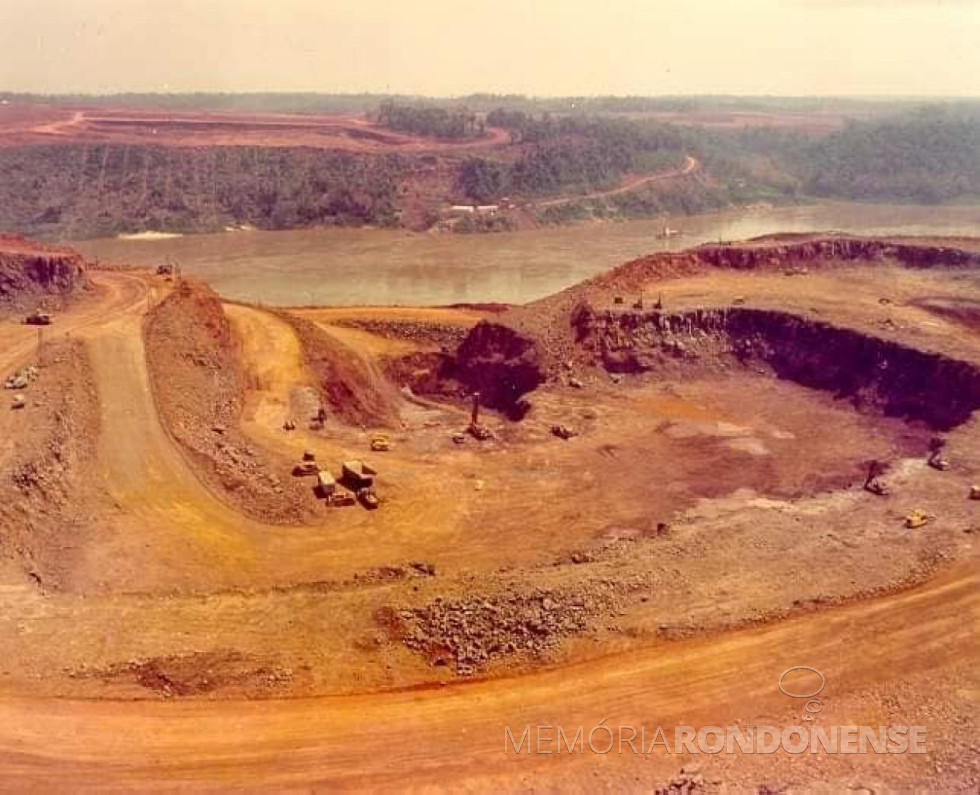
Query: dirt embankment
x=509, y=357
x=350, y=388
x=778, y=254
x=198, y=379
x=33, y=273
x=47, y=482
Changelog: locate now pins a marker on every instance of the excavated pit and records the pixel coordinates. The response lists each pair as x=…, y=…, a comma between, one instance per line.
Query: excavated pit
x=876, y=375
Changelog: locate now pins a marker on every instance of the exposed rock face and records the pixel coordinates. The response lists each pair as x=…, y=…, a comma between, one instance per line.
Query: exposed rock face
x=509, y=357
x=29, y=270
x=501, y=363
x=874, y=373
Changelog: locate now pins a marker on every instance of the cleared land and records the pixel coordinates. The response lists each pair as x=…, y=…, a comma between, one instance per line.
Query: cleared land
x=704, y=531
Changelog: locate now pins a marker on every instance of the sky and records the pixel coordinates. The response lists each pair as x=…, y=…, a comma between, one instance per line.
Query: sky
x=533, y=47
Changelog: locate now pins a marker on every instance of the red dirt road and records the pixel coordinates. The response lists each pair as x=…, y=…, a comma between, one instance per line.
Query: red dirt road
x=454, y=736
x=691, y=165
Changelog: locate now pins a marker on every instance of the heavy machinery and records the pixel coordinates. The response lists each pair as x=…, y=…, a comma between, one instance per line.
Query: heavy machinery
x=380, y=443
x=19, y=402
x=358, y=475
x=916, y=519
x=341, y=499
x=477, y=429
x=306, y=469
x=935, y=460
x=38, y=318
x=368, y=499
x=871, y=482
x=563, y=431
x=326, y=484
x=975, y=492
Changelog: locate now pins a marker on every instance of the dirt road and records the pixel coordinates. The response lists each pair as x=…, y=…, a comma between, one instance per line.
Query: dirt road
x=455, y=737
x=691, y=165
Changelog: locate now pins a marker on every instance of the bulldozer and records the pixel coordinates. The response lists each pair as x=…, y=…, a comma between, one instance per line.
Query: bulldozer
x=380, y=443
x=916, y=519
x=38, y=318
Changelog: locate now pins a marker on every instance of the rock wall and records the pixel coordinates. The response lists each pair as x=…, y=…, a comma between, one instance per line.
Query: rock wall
x=503, y=364
x=875, y=374
x=29, y=270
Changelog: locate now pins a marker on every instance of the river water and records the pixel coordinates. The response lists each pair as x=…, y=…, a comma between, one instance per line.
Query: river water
x=370, y=266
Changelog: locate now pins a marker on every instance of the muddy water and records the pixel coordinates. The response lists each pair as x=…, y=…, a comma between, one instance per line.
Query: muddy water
x=364, y=266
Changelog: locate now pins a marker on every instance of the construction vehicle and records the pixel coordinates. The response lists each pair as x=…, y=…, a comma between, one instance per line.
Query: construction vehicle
x=19, y=402
x=975, y=492
x=738, y=300
x=935, y=460
x=618, y=299
x=563, y=431
x=916, y=519
x=306, y=469
x=459, y=437
x=380, y=443
x=358, y=475
x=368, y=499
x=38, y=318
x=289, y=425
x=638, y=303
x=476, y=429
x=326, y=484
x=871, y=482
x=341, y=499
x=660, y=302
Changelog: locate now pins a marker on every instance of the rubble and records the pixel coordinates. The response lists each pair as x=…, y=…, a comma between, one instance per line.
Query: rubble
x=474, y=632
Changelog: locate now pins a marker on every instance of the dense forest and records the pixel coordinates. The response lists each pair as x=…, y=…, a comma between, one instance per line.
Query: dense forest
x=570, y=154
x=92, y=191
x=431, y=122
x=76, y=190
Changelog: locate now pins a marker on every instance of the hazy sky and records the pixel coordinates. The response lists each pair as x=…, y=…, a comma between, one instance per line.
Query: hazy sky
x=447, y=47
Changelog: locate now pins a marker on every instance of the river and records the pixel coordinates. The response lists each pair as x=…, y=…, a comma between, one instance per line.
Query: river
x=370, y=266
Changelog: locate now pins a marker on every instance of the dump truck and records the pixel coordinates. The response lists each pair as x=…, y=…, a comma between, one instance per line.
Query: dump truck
x=358, y=475
x=38, y=318
x=326, y=484
x=380, y=443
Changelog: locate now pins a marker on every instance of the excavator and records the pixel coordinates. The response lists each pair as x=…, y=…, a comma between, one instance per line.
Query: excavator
x=935, y=460
x=871, y=482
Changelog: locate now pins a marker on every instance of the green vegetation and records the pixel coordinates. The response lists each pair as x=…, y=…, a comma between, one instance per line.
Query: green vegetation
x=571, y=154
x=925, y=156
x=431, y=122
x=92, y=191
